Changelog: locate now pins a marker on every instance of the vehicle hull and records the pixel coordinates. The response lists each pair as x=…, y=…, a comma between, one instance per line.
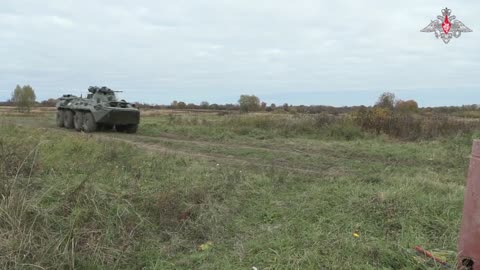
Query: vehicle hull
x=99, y=111
x=117, y=116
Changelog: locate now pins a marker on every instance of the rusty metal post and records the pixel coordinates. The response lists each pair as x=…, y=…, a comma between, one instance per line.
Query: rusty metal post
x=469, y=240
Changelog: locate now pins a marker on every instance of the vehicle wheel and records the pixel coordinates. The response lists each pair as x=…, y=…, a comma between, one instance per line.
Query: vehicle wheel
x=131, y=128
x=60, y=118
x=107, y=127
x=68, y=119
x=89, y=124
x=78, y=120
x=120, y=128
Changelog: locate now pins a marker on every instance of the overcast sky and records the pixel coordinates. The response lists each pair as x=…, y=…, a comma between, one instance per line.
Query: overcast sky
x=342, y=52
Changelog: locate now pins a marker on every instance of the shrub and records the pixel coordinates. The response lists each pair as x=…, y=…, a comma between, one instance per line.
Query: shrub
x=406, y=106
x=323, y=119
x=346, y=130
x=411, y=126
x=377, y=119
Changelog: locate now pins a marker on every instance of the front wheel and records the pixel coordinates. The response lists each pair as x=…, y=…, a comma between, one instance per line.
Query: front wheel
x=60, y=118
x=132, y=128
x=120, y=128
x=89, y=124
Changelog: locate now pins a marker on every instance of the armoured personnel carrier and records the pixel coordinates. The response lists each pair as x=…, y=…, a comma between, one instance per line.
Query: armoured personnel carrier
x=99, y=111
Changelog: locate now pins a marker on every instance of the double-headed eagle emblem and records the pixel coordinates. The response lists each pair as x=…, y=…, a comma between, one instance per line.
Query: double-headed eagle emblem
x=446, y=26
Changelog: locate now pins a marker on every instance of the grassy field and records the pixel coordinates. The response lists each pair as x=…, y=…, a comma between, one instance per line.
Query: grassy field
x=210, y=191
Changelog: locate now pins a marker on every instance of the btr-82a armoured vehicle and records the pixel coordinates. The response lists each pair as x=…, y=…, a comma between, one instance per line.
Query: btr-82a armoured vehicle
x=99, y=111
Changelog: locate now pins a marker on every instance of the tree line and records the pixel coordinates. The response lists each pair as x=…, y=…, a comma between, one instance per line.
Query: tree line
x=250, y=103
x=24, y=98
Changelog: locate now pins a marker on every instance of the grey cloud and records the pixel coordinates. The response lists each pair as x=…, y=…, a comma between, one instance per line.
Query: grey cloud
x=207, y=49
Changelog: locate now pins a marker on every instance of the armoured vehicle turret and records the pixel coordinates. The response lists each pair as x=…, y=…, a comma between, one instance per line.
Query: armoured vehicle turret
x=99, y=111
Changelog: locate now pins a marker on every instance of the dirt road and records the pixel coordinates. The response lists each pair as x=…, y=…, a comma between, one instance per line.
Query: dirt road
x=241, y=155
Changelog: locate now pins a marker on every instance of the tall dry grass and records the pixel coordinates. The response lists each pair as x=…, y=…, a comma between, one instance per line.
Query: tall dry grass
x=413, y=126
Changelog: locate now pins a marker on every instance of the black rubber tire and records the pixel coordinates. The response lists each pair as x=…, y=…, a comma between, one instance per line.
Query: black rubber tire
x=131, y=128
x=78, y=120
x=89, y=124
x=106, y=127
x=120, y=128
x=60, y=118
x=68, y=119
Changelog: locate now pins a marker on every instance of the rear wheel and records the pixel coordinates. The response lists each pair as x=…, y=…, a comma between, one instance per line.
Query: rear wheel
x=60, y=118
x=78, y=120
x=68, y=119
x=89, y=124
x=132, y=128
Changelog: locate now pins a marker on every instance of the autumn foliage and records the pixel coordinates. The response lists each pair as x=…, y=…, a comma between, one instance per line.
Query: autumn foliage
x=401, y=119
x=406, y=106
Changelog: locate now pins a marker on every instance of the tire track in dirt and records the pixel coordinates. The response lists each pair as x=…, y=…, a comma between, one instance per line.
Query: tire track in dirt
x=218, y=158
x=148, y=143
x=174, y=138
x=300, y=151
x=168, y=137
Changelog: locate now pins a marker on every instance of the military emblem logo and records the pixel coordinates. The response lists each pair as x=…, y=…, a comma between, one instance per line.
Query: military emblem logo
x=446, y=26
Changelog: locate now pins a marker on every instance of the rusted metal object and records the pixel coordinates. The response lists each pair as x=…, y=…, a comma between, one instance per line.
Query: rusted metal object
x=431, y=256
x=469, y=240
